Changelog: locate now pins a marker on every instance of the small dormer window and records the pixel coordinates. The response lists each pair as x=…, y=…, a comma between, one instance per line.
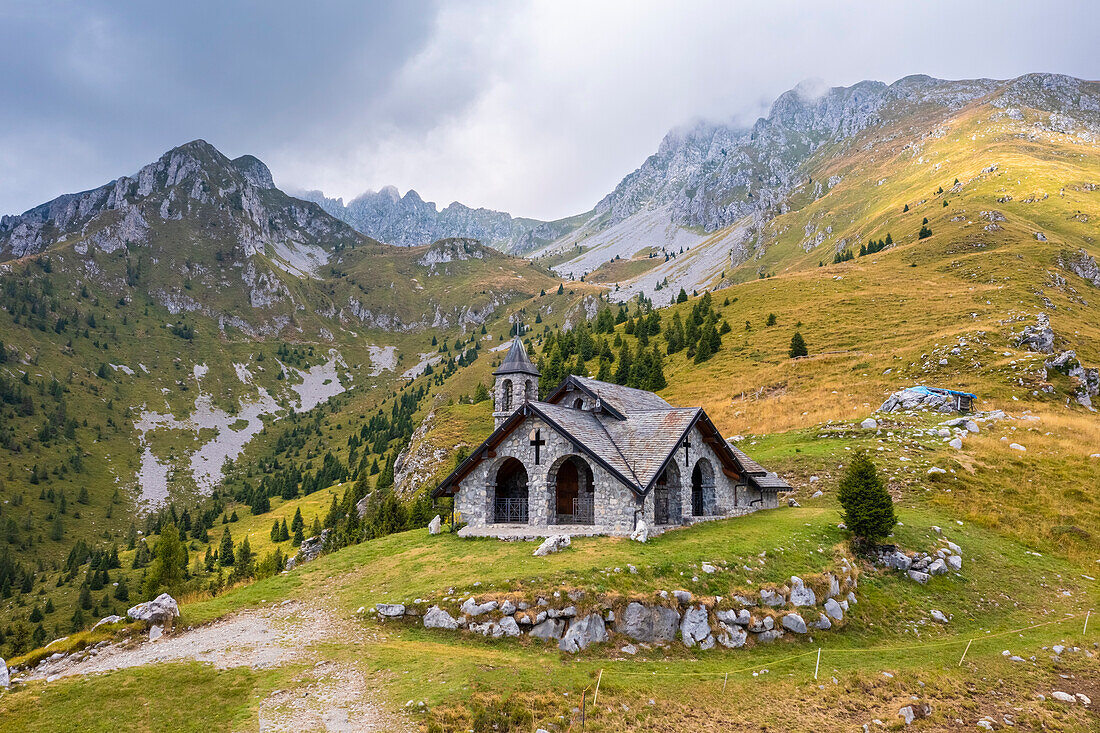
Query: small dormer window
x=578, y=404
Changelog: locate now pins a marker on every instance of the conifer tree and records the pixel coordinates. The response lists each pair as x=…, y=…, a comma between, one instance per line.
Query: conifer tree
x=284, y=533
x=622, y=369
x=868, y=508
x=299, y=537
x=297, y=523
x=275, y=531
x=682, y=297
x=798, y=346
x=169, y=564
x=225, y=551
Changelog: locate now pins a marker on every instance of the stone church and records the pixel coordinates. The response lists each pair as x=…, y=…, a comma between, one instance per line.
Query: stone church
x=598, y=458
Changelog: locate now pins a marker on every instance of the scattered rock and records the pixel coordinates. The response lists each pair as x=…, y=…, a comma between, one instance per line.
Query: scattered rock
x=708, y=568
x=311, y=549
x=1063, y=696
x=917, y=711
x=629, y=649
x=938, y=567
x=437, y=618
x=583, y=632
x=772, y=598
x=833, y=609
x=436, y=525
x=552, y=544
x=1017, y=446
x=792, y=503
x=155, y=632
x=509, y=627
x=5, y=678
x=938, y=616
x=112, y=619
x=682, y=597
x=508, y=608
x=390, y=610
x=955, y=562
x=641, y=532
x=869, y=424
x=918, y=576
x=956, y=443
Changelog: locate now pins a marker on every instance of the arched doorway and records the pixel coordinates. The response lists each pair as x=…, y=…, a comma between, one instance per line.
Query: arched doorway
x=573, y=500
x=666, y=496
x=510, y=493
x=702, y=489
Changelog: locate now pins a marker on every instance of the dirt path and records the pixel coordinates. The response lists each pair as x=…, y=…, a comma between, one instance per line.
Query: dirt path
x=328, y=697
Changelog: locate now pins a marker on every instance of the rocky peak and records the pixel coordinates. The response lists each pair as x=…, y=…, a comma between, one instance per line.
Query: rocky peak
x=254, y=170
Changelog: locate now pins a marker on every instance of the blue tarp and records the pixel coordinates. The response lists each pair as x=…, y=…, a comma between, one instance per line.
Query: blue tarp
x=941, y=390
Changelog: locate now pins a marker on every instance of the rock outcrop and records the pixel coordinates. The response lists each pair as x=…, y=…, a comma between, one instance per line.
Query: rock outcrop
x=162, y=609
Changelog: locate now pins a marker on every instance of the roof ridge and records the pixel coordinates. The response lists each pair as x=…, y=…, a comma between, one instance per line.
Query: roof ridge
x=619, y=450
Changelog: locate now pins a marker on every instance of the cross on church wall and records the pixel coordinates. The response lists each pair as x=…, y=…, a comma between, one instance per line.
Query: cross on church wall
x=687, y=445
x=537, y=442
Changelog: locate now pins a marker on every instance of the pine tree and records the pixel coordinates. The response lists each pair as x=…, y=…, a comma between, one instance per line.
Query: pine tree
x=284, y=533
x=225, y=550
x=622, y=369
x=798, y=346
x=771, y=320
x=275, y=531
x=299, y=537
x=169, y=564
x=122, y=593
x=297, y=522
x=682, y=297
x=868, y=508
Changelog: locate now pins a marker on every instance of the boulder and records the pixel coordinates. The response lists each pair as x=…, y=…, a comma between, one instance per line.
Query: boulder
x=765, y=624
x=869, y=424
x=823, y=623
x=629, y=649
x=938, y=567
x=772, y=598
x=793, y=622
x=955, y=562
x=956, y=443
x=731, y=637
x=5, y=678
x=508, y=608
x=771, y=635
x=938, y=616
x=552, y=544
x=548, y=629
x=155, y=632
x=1017, y=446
x=800, y=594
x=833, y=609
x=834, y=586
x=695, y=627
x=1063, y=696
x=641, y=532
x=583, y=632
x=436, y=525
x=682, y=597
x=390, y=610
x=161, y=609
x=708, y=568
x=437, y=618
x=647, y=623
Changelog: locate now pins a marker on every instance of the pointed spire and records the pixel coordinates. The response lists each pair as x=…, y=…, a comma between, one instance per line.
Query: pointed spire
x=517, y=361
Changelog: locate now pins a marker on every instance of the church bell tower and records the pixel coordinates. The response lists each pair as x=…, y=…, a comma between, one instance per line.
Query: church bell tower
x=517, y=382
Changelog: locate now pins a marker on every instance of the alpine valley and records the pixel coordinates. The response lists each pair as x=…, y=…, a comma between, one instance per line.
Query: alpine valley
x=190, y=347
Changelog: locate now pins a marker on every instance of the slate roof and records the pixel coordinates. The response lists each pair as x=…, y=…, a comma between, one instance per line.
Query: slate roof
x=633, y=435
x=517, y=361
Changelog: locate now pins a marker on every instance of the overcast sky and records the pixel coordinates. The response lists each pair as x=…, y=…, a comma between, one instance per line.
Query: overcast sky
x=535, y=108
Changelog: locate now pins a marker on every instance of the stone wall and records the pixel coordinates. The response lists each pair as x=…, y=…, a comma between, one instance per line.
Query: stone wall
x=576, y=619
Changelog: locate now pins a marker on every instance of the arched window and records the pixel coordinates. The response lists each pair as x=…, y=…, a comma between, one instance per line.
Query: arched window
x=529, y=393
x=506, y=395
x=578, y=404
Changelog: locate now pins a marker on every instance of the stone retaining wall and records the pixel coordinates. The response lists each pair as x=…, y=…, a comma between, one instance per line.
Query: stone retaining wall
x=576, y=619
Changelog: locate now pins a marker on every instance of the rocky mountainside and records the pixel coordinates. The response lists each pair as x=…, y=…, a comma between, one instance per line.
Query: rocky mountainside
x=717, y=190
x=408, y=220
